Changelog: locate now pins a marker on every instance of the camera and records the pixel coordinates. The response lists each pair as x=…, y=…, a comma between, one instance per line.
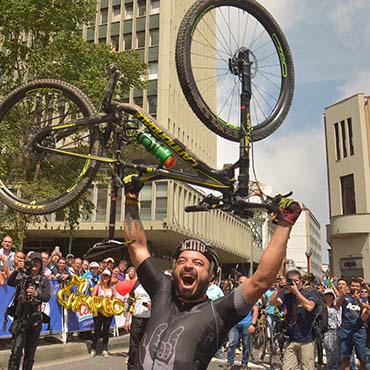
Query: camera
x=290, y=281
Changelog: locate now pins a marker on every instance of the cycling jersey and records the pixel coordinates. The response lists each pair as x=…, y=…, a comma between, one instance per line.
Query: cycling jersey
x=179, y=335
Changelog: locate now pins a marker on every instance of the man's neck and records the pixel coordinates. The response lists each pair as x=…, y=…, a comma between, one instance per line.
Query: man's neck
x=199, y=300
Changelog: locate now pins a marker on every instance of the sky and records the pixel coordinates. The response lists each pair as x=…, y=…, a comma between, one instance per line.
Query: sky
x=330, y=44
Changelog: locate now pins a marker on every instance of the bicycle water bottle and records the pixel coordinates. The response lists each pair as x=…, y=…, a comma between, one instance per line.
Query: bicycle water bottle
x=151, y=144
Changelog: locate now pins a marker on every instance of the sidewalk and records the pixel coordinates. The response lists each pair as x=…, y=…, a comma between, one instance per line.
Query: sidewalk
x=51, y=350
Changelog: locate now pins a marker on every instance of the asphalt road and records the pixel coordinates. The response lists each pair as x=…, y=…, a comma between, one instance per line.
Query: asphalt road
x=117, y=361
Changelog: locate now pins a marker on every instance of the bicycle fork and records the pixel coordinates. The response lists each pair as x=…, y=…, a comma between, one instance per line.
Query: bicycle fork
x=240, y=65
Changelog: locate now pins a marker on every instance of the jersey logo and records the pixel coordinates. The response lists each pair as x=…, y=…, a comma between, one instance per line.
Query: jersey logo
x=353, y=307
x=158, y=354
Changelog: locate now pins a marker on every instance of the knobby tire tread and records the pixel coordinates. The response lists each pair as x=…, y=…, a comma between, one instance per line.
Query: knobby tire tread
x=88, y=109
x=188, y=84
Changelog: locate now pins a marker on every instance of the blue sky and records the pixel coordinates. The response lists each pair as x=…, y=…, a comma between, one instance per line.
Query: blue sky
x=330, y=43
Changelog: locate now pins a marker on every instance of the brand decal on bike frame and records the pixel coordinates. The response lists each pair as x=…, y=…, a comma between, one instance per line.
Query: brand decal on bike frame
x=284, y=68
x=166, y=139
x=248, y=134
x=80, y=176
x=44, y=90
x=31, y=205
x=67, y=125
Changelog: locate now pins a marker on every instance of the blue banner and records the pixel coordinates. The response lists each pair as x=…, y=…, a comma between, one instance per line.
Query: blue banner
x=76, y=321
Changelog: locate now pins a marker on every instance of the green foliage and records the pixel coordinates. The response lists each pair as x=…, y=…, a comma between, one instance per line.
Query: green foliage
x=43, y=39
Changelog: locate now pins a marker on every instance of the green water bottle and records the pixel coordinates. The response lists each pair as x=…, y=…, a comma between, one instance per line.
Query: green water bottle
x=151, y=144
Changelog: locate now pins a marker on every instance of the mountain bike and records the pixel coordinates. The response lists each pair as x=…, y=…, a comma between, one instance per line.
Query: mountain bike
x=225, y=50
x=277, y=342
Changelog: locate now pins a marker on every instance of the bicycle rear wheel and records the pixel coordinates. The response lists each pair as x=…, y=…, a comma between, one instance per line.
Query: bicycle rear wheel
x=35, y=181
x=210, y=36
x=259, y=342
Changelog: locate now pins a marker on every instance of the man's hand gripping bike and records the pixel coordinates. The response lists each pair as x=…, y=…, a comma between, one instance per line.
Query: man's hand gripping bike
x=55, y=140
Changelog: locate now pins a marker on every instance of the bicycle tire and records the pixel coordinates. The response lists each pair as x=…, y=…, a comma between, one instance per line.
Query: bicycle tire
x=196, y=85
x=259, y=342
x=39, y=182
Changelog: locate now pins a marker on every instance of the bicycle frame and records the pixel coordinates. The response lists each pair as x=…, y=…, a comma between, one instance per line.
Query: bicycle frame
x=234, y=193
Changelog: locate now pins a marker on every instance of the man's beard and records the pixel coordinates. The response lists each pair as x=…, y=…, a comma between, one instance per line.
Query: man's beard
x=189, y=295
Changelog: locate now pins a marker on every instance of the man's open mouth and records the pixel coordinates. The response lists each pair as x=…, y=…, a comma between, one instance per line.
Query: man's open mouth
x=188, y=280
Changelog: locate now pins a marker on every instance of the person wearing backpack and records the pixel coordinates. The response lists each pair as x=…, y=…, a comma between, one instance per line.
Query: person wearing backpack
x=300, y=317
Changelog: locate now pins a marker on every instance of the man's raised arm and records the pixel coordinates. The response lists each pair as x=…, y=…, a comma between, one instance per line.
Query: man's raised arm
x=272, y=257
x=133, y=228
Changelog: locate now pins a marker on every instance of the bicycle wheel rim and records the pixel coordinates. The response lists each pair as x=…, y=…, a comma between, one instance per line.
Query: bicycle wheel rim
x=39, y=182
x=203, y=66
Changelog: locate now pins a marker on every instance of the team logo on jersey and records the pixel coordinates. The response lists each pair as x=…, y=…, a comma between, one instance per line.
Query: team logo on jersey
x=162, y=351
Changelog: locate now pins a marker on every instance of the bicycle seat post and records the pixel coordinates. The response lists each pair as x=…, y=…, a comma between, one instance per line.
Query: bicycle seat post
x=114, y=74
x=244, y=72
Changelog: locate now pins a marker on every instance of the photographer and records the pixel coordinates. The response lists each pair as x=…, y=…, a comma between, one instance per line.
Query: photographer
x=33, y=288
x=300, y=305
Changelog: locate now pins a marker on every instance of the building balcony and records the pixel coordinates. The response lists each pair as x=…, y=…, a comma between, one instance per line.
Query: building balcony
x=164, y=219
x=345, y=226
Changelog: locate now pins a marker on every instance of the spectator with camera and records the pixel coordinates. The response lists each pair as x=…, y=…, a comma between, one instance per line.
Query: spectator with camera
x=32, y=288
x=353, y=328
x=300, y=319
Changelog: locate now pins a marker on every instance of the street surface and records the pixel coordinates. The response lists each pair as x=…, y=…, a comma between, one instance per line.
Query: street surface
x=117, y=361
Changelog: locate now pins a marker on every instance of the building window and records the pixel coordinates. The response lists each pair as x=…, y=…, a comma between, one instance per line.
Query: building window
x=86, y=210
x=119, y=205
x=129, y=11
x=103, y=16
x=114, y=40
x=153, y=71
x=344, y=141
x=116, y=13
x=161, y=201
x=154, y=37
x=141, y=8
x=140, y=39
x=152, y=104
x=348, y=195
x=337, y=141
x=138, y=100
x=127, y=41
x=146, y=202
x=154, y=7
x=350, y=136
x=101, y=204
x=59, y=215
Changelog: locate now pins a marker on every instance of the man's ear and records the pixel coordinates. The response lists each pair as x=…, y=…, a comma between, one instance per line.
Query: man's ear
x=211, y=277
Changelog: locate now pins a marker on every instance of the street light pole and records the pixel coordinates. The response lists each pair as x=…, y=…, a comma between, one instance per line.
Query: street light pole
x=308, y=254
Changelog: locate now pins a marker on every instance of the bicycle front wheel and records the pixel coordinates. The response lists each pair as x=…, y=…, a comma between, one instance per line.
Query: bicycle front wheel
x=36, y=181
x=210, y=37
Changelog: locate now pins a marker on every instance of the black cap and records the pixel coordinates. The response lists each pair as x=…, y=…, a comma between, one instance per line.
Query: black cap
x=35, y=255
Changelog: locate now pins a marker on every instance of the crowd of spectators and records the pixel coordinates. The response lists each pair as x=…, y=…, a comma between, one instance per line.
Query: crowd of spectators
x=344, y=338
x=62, y=268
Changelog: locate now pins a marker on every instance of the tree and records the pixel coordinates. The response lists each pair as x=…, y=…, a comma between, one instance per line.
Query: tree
x=43, y=39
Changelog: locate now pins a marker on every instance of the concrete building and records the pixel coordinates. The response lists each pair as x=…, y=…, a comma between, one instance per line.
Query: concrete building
x=150, y=27
x=347, y=124
x=305, y=239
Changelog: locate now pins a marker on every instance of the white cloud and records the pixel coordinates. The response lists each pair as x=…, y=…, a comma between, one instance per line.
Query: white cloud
x=360, y=83
x=293, y=162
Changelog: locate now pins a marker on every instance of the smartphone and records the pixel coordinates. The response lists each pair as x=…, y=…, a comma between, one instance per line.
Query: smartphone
x=57, y=248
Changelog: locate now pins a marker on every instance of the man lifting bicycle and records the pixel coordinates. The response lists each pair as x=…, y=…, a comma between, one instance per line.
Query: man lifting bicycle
x=186, y=329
